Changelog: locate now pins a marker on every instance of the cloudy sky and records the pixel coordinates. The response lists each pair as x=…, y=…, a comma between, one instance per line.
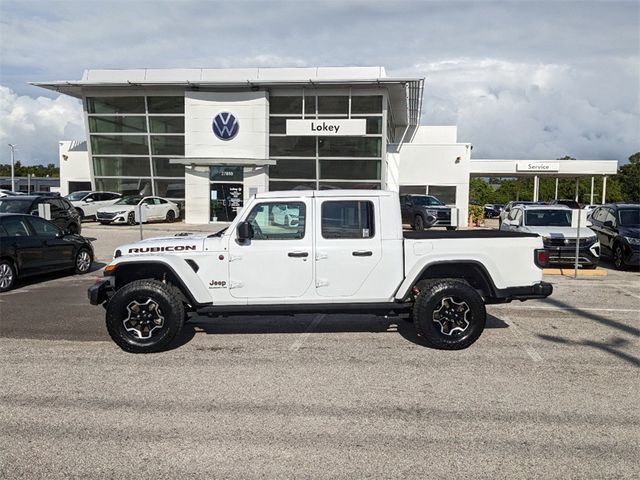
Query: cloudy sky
x=533, y=80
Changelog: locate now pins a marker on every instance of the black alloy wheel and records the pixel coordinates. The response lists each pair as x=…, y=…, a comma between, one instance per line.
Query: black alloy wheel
x=448, y=313
x=171, y=216
x=8, y=275
x=144, y=316
x=418, y=224
x=618, y=257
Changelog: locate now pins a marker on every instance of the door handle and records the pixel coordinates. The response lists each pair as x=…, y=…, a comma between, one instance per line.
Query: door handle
x=298, y=254
x=362, y=253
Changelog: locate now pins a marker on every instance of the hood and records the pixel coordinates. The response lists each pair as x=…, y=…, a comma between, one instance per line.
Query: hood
x=560, y=232
x=433, y=207
x=175, y=244
x=633, y=232
x=117, y=208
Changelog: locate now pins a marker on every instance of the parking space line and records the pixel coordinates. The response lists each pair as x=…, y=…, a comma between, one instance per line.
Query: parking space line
x=568, y=309
x=624, y=290
x=532, y=352
x=295, y=346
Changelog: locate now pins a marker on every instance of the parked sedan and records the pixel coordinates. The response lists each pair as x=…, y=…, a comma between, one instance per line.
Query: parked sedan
x=31, y=245
x=63, y=214
x=88, y=203
x=618, y=228
x=152, y=208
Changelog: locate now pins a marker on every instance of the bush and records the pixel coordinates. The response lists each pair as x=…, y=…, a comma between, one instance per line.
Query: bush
x=477, y=213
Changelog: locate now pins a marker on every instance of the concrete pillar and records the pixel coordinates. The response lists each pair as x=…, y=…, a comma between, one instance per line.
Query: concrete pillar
x=591, y=198
x=577, y=189
x=604, y=189
x=536, y=188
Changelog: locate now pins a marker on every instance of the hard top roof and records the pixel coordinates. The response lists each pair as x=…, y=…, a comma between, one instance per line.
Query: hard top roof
x=325, y=193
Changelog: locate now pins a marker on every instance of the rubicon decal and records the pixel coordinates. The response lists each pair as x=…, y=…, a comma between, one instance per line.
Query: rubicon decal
x=170, y=248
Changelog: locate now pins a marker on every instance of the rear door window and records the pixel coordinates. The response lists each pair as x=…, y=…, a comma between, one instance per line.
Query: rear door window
x=43, y=228
x=347, y=219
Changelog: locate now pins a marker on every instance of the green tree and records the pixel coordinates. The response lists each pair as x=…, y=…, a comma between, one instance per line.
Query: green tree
x=628, y=178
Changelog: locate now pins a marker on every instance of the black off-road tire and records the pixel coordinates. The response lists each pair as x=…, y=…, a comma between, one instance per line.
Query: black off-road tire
x=9, y=275
x=432, y=294
x=169, y=301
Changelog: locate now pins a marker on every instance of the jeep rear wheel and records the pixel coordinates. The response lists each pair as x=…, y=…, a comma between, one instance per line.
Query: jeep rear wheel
x=144, y=316
x=448, y=314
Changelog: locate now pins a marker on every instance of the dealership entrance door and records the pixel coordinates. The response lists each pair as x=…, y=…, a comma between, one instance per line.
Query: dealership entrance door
x=227, y=192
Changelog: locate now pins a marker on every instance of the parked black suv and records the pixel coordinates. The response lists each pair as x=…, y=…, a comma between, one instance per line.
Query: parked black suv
x=618, y=228
x=63, y=214
x=31, y=245
x=425, y=211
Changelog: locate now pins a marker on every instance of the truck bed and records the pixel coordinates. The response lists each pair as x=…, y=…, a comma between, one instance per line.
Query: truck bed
x=435, y=234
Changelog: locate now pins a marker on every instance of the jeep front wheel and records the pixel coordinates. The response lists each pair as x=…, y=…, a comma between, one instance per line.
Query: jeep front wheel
x=144, y=316
x=448, y=314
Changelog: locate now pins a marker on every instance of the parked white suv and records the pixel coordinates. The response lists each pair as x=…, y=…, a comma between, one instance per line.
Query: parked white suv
x=88, y=203
x=554, y=224
x=346, y=253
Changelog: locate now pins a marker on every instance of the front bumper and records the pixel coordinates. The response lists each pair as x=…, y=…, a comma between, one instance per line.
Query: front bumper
x=100, y=292
x=529, y=292
x=587, y=255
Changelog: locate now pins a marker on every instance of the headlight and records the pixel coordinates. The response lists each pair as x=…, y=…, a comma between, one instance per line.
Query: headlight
x=432, y=212
x=632, y=240
x=120, y=213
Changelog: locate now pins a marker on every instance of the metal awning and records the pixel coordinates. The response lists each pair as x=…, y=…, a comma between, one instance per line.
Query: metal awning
x=238, y=162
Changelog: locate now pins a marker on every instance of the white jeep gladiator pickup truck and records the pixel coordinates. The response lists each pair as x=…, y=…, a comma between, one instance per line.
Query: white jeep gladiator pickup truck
x=319, y=251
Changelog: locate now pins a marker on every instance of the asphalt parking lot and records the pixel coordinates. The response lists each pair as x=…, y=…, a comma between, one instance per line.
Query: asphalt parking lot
x=550, y=390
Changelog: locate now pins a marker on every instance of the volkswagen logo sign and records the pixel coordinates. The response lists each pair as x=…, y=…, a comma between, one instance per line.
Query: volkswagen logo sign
x=225, y=126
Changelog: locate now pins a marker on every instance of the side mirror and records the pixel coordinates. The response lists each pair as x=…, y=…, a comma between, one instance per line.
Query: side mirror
x=244, y=231
x=608, y=224
x=88, y=200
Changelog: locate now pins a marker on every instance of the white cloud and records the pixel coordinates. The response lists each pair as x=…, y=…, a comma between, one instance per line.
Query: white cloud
x=36, y=125
x=525, y=110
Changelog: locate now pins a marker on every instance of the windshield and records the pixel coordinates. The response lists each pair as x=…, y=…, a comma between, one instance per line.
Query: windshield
x=548, y=218
x=128, y=201
x=426, y=200
x=629, y=216
x=76, y=196
x=14, y=205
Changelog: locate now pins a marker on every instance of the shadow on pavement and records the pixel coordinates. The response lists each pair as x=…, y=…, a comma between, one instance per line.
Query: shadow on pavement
x=47, y=277
x=612, y=346
x=306, y=323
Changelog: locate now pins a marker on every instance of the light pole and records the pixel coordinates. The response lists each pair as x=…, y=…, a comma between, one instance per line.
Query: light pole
x=13, y=180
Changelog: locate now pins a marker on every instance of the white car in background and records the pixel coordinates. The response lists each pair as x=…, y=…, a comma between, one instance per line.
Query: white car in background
x=8, y=193
x=153, y=209
x=88, y=203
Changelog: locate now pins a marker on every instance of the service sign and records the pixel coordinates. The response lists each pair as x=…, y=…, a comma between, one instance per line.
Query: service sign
x=537, y=167
x=327, y=127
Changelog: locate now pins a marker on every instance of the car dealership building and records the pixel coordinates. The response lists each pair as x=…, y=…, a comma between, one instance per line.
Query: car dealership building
x=211, y=138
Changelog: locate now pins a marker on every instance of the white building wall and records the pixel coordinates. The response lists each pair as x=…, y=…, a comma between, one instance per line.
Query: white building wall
x=74, y=164
x=437, y=163
x=251, y=109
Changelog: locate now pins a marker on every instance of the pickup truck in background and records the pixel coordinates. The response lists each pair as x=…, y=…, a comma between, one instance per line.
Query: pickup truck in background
x=345, y=253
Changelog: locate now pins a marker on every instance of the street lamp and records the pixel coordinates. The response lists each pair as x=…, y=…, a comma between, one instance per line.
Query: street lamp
x=13, y=180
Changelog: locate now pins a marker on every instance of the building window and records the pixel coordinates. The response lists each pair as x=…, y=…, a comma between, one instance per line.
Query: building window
x=292, y=146
x=125, y=186
x=121, y=166
x=116, y=105
x=166, y=124
x=119, y=145
x=166, y=104
x=350, y=169
x=446, y=194
x=162, y=168
x=117, y=124
x=294, y=168
x=285, y=105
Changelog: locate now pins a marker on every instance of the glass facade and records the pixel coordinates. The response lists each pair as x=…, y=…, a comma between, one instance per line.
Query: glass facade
x=325, y=162
x=132, y=139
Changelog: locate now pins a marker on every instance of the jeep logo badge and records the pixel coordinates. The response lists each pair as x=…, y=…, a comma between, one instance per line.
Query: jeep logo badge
x=225, y=126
